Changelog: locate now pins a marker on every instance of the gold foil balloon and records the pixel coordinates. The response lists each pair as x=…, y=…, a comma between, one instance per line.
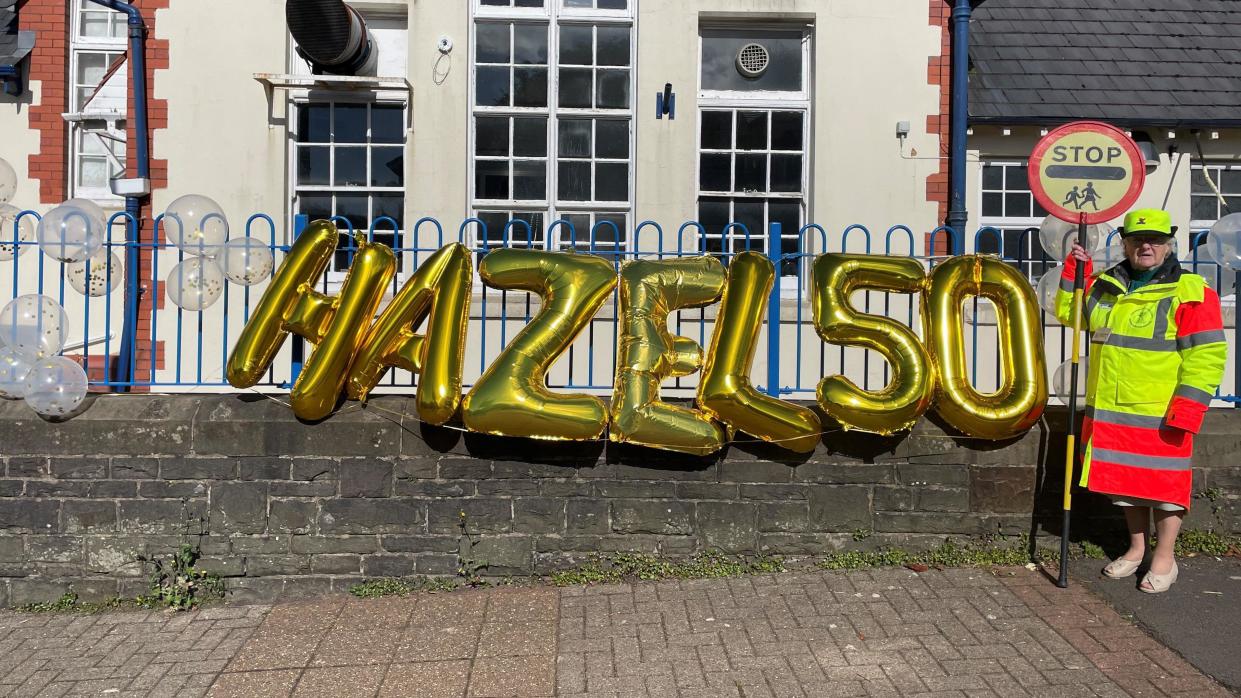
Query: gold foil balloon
x=648, y=354
x=1022, y=396
x=440, y=290
x=725, y=391
x=511, y=398
x=912, y=387
x=262, y=336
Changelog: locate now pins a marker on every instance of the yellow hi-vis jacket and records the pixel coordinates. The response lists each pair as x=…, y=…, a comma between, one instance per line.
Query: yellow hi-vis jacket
x=1157, y=356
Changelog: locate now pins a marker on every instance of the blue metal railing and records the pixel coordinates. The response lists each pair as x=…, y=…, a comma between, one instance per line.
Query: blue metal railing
x=187, y=351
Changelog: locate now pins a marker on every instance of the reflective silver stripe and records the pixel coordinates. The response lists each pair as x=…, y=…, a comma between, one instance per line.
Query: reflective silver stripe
x=1097, y=292
x=1197, y=339
x=1143, y=343
x=1140, y=461
x=1199, y=396
x=1066, y=284
x=1124, y=419
x=1161, y=317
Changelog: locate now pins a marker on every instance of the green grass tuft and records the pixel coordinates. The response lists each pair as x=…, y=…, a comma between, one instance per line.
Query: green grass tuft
x=391, y=586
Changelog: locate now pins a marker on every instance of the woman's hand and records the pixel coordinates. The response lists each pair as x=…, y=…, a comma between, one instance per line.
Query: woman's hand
x=1079, y=253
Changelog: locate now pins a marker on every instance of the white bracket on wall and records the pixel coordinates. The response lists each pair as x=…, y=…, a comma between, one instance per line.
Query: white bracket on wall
x=336, y=83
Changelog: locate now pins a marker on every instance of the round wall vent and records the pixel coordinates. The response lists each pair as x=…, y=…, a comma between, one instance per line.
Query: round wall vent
x=752, y=60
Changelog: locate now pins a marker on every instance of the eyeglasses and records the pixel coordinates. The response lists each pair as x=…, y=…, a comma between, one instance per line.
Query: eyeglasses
x=1152, y=240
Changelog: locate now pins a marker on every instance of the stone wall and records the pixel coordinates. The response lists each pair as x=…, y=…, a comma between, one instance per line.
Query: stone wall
x=279, y=506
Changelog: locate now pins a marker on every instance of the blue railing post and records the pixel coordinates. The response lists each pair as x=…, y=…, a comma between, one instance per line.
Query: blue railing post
x=773, y=313
x=298, y=353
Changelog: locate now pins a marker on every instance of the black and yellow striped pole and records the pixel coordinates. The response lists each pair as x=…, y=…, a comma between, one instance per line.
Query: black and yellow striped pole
x=1070, y=448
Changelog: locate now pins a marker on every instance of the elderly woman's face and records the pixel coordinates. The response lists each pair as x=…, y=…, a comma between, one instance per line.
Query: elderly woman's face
x=1147, y=251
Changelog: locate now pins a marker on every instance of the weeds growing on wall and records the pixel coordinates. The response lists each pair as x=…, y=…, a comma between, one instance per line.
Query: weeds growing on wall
x=177, y=584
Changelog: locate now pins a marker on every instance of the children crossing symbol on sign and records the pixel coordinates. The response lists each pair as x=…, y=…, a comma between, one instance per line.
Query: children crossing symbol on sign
x=1078, y=197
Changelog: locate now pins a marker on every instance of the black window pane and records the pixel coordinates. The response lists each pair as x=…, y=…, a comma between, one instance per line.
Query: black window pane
x=788, y=215
x=496, y=3
x=1233, y=205
x=613, y=46
x=1017, y=205
x=575, y=46
x=491, y=87
x=392, y=206
x=715, y=172
x=751, y=173
x=575, y=86
x=992, y=178
x=491, y=179
x=1198, y=181
x=529, y=3
x=786, y=173
x=527, y=229
x=609, y=229
x=493, y=226
x=350, y=124
x=312, y=165
x=749, y=213
x=387, y=124
x=786, y=130
x=574, y=138
x=529, y=179
x=350, y=167
x=530, y=43
x=1230, y=181
x=613, y=89
x=1015, y=178
x=713, y=214
x=1203, y=208
x=530, y=87
x=492, y=40
x=611, y=181
x=717, y=129
x=611, y=139
x=316, y=207
x=580, y=223
x=387, y=167
x=752, y=130
x=579, y=3
x=314, y=123
x=993, y=204
x=355, y=210
x=612, y=4
x=1039, y=211
x=574, y=181
x=491, y=137
x=530, y=136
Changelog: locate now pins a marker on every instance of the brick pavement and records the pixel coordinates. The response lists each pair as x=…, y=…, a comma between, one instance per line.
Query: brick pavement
x=871, y=633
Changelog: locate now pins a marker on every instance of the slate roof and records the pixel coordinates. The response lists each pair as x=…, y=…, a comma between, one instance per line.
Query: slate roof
x=1130, y=62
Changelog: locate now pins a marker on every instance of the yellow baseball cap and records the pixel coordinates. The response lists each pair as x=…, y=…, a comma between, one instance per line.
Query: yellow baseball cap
x=1148, y=221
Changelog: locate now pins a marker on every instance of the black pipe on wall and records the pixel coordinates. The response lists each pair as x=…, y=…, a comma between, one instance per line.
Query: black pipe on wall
x=332, y=36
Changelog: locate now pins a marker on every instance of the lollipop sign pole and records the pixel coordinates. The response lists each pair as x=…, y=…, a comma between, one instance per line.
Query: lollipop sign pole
x=1086, y=172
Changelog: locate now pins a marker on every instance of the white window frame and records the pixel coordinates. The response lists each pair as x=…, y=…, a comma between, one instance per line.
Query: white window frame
x=1197, y=225
x=763, y=100
x=113, y=135
x=555, y=15
x=1031, y=259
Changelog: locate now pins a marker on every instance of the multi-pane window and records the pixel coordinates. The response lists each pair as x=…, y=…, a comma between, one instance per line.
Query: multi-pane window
x=98, y=22
x=553, y=112
x=753, y=142
x=1205, y=204
x=97, y=94
x=1009, y=207
x=349, y=163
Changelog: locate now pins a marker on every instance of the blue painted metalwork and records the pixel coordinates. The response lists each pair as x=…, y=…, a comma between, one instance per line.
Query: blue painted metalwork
x=959, y=115
x=773, y=313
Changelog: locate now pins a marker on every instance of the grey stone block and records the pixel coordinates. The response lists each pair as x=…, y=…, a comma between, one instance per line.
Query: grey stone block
x=315, y=469
x=57, y=488
x=365, y=478
x=388, y=565
x=510, y=469
x=336, y=564
x=31, y=590
x=12, y=549
x=538, y=515
x=115, y=425
x=87, y=516
x=198, y=468
x=419, y=544
x=239, y=507
x=642, y=489
x=264, y=468
x=113, y=489
x=504, y=555
x=27, y=466
x=840, y=508
x=481, y=515
x=755, y=471
x=251, y=590
x=272, y=565
x=67, y=549
x=334, y=544
x=585, y=516
x=464, y=469
x=921, y=474
x=434, y=488
x=260, y=545
x=292, y=516
x=783, y=516
x=134, y=468
x=318, y=488
x=950, y=522
x=1002, y=490
x=845, y=473
x=79, y=468
x=437, y=563
x=707, y=490
x=668, y=517
x=94, y=589
x=223, y=566
x=182, y=489
x=12, y=488
x=565, y=488
x=236, y=426
x=30, y=516
x=117, y=555
x=921, y=499
x=417, y=468
x=728, y=526
x=800, y=543
x=775, y=493
x=161, y=515
x=507, y=488
x=372, y=516
x=306, y=587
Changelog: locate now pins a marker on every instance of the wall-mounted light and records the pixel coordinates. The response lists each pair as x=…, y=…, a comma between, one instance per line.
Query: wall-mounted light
x=666, y=103
x=1147, y=147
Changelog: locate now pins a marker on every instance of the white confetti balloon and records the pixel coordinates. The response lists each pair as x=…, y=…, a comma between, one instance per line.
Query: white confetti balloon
x=33, y=326
x=195, y=284
x=13, y=231
x=196, y=224
x=13, y=370
x=97, y=276
x=1048, y=285
x=1062, y=380
x=8, y=182
x=246, y=261
x=72, y=232
x=1108, y=255
x=1057, y=236
x=56, y=386
x=1224, y=242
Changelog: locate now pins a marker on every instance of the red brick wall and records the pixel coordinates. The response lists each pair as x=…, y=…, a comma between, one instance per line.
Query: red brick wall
x=939, y=72
x=49, y=65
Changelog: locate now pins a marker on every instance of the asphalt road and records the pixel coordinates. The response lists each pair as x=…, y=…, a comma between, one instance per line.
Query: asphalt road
x=1199, y=617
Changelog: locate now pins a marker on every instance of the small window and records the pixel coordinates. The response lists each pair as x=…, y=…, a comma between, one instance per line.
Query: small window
x=729, y=61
